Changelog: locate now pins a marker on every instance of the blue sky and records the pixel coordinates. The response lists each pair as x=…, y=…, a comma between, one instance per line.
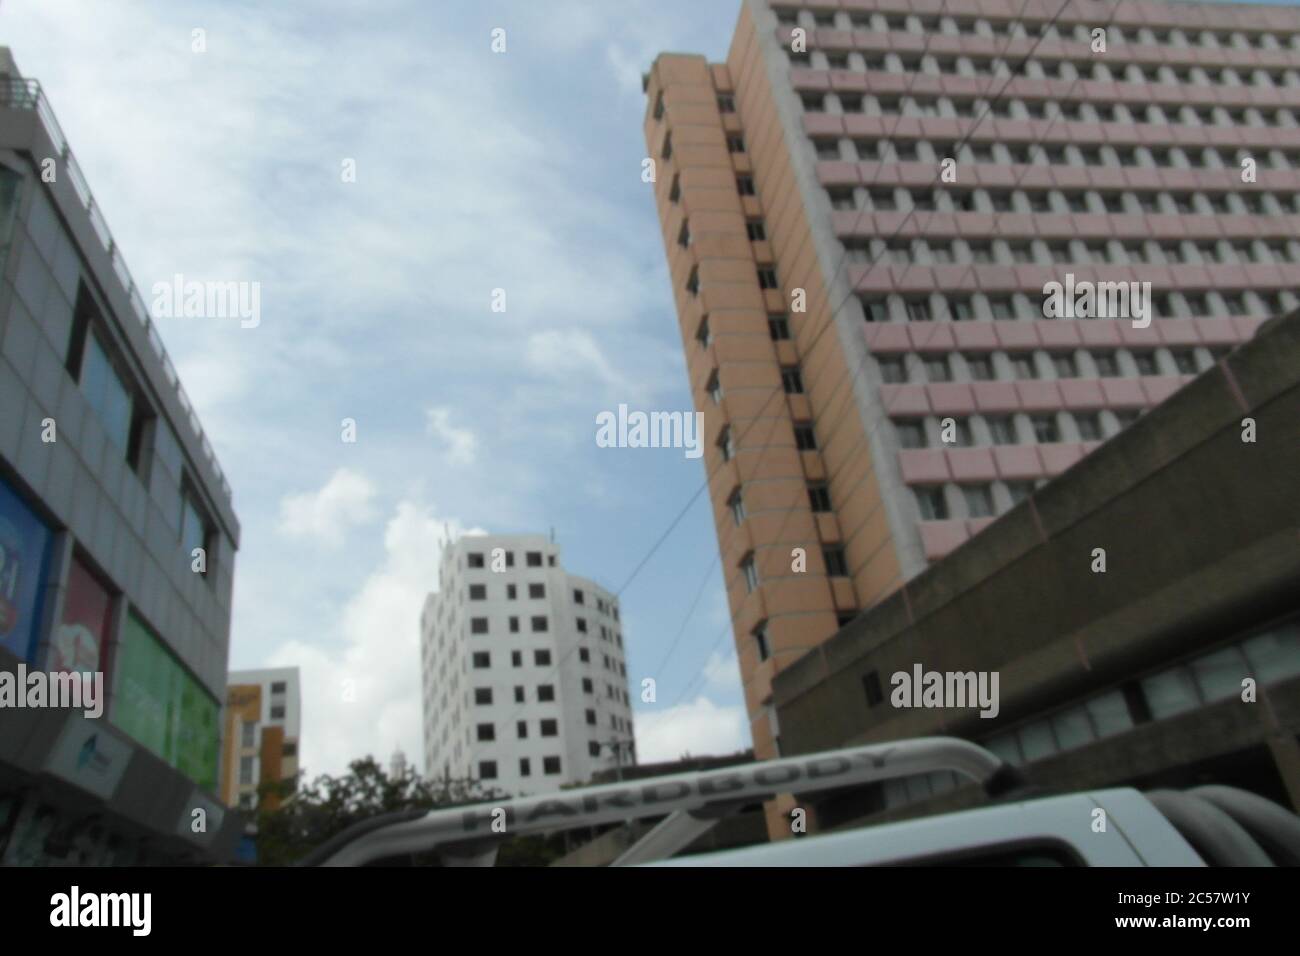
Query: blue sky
x=475, y=171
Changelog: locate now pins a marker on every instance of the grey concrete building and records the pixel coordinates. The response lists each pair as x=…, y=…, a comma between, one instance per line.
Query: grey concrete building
x=108, y=486
x=1177, y=664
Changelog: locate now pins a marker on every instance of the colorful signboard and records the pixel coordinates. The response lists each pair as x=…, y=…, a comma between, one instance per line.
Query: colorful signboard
x=90, y=756
x=163, y=707
x=79, y=641
x=24, y=559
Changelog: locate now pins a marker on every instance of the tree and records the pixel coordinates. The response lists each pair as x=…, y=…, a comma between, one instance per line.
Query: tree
x=309, y=814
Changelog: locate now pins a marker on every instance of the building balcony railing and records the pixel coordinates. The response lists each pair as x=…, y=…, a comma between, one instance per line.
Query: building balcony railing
x=17, y=93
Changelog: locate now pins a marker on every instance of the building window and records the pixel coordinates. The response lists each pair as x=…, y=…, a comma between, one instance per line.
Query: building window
x=767, y=277
x=538, y=624
x=726, y=447
x=546, y=692
x=892, y=371
x=755, y=230
x=487, y=769
x=245, y=770
x=778, y=327
x=819, y=497
x=1107, y=367
x=534, y=559
x=542, y=658
x=1063, y=362
x=937, y=370
x=591, y=716
x=911, y=433
x=578, y=597
x=512, y=592
x=1045, y=429
x=745, y=185
x=248, y=736
x=737, y=506
x=482, y=659
x=750, y=571
x=516, y=658
x=474, y=559
x=514, y=625
x=735, y=144
x=196, y=530
x=760, y=642
x=525, y=767
x=871, y=686
x=550, y=727
x=837, y=566
x=482, y=696
x=519, y=694
x=1003, y=430
x=875, y=310
x=714, y=387
x=106, y=391
x=486, y=732
x=593, y=748
x=702, y=334
x=551, y=765
x=478, y=625
x=1146, y=363
x=675, y=193
x=584, y=655
x=521, y=729
x=979, y=500
x=805, y=439
x=1023, y=363
x=587, y=686
x=792, y=380
x=726, y=103
x=931, y=503
x=980, y=367
x=537, y=590
x=277, y=712
x=478, y=592
x=1089, y=425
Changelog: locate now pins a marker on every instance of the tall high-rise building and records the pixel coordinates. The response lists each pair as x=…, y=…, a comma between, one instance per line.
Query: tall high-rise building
x=525, y=685
x=117, y=534
x=263, y=727
x=863, y=209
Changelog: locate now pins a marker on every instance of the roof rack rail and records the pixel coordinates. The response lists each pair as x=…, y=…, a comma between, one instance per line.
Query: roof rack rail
x=691, y=802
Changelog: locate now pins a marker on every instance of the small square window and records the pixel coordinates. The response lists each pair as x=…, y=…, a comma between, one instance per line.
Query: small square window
x=837, y=566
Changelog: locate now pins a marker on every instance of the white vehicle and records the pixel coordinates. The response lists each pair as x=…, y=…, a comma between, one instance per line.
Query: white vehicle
x=1207, y=826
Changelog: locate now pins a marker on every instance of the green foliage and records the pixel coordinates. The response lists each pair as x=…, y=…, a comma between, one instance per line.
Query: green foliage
x=312, y=813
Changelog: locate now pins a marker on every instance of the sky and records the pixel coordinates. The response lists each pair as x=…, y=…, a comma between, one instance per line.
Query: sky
x=474, y=171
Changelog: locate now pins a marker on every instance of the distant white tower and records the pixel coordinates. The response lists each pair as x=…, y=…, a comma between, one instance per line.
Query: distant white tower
x=397, y=766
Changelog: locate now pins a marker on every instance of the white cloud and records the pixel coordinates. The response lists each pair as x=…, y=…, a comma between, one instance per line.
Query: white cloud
x=698, y=728
x=375, y=653
x=722, y=672
x=462, y=444
x=561, y=353
x=324, y=516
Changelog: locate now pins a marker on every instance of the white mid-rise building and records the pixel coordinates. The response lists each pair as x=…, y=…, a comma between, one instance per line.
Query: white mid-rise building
x=523, y=670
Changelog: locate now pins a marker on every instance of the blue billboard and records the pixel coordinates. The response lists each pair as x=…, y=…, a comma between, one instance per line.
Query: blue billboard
x=24, y=559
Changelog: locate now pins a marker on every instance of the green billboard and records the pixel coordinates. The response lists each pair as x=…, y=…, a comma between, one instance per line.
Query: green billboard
x=164, y=708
